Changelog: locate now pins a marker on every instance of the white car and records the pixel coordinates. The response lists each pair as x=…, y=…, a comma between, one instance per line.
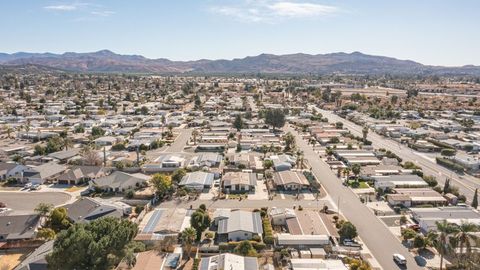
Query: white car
x=399, y=259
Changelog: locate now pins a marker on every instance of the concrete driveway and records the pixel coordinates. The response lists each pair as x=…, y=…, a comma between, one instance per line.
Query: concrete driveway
x=23, y=202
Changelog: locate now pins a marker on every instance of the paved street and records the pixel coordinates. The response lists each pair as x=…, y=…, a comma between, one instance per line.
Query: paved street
x=379, y=240
x=25, y=202
x=180, y=141
x=466, y=183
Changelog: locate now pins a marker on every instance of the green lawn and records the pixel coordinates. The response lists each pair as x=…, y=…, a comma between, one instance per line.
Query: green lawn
x=361, y=184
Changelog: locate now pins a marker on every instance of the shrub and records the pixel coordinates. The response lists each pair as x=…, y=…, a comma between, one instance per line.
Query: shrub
x=267, y=231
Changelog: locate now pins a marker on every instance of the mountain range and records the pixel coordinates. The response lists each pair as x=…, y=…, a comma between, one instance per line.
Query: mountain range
x=105, y=61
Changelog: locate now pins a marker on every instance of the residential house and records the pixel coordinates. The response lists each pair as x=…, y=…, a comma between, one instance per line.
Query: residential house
x=409, y=197
x=36, y=260
x=198, y=180
x=399, y=181
x=12, y=170
x=427, y=217
x=239, y=182
x=80, y=174
x=165, y=163
x=88, y=209
x=227, y=261
x=290, y=180
x=283, y=162
x=119, y=181
x=48, y=172
x=240, y=225
x=18, y=227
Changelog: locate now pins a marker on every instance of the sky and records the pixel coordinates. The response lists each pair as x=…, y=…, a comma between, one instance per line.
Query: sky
x=434, y=32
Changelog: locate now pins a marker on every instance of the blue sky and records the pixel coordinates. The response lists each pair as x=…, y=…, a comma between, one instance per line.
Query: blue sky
x=437, y=32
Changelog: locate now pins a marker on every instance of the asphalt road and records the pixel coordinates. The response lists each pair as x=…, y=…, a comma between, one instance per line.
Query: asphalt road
x=25, y=202
x=180, y=141
x=378, y=238
x=466, y=183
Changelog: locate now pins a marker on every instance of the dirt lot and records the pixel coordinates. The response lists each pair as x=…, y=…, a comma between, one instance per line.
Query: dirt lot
x=10, y=260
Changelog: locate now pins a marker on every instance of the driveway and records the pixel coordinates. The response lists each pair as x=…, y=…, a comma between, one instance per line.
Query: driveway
x=24, y=202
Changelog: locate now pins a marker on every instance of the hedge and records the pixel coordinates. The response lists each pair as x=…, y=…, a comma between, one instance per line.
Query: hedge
x=449, y=164
x=267, y=231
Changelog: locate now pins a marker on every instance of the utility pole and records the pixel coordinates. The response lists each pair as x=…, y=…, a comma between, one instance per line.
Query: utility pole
x=104, y=157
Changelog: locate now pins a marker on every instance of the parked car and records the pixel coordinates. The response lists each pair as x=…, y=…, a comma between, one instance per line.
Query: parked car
x=27, y=186
x=36, y=187
x=399, y=259
x=351, y=243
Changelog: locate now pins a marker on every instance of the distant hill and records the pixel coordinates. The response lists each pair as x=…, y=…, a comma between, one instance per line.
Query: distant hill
x=333, y=63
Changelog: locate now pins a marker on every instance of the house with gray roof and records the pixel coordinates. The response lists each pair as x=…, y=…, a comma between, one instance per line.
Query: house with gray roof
x=18, y=227
x=78, y=174
x=197, y=180
x=47, y=172
x=239, y=182
x=228, y=261
x=88, y=209
x=119, y=181
x=399, y=181
x=240, y=225
x=283, y=162
x=37, y=259
x=11, y=170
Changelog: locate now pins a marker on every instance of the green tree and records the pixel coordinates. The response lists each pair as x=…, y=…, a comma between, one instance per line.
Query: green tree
x=408, y=234
x=97, y=132
x=475, y=199
x=356, y=169
x=58, y=219
x=188, y=236
x=43, y=209
x=275, y=118
x=200, y=221
x=100, y=245
x=339, y=125
x=446, y=187
x=238, y=122
x=289, y=141
x=440, y=241
x=245, y=248
x=448, y=152
x=178, y=174
x=364, y=133
x=144, y=110
x=46, y=234
x=465, y=234
x=267, y=164
x=54, y=144
x=39, y=150
x=419, y=241
x=161, y=183
x=348, y=231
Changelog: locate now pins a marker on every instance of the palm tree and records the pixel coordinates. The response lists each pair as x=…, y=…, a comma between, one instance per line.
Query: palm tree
x=195, y=133
x=188, y=237
x=67, y=142
x=300, y=159
x=464, y=234
x=8, y=130
x=441, y=241
x=365, y=133
x=356, y=170
x=265, y=149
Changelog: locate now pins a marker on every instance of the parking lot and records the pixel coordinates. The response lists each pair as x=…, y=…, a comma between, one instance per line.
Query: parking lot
x=25, y=202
